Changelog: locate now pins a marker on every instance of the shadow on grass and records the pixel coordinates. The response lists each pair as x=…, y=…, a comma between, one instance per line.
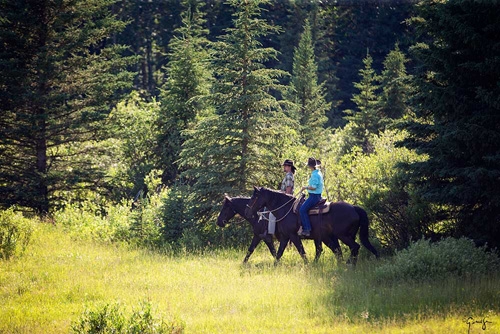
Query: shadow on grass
x=355, y=294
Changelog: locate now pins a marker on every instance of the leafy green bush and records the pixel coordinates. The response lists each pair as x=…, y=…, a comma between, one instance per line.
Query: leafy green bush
x=424, y=261
x=145, y=218
x=374, y=182
x=111, y=319
x=87, y=221
x=15, y=233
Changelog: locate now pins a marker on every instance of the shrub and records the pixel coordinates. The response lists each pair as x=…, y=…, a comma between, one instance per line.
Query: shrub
x=375, y=182
x=15, y=233
x=424, y=261
x=87, y=220
x=146, y=220
x=106, y=319
x=111, y=319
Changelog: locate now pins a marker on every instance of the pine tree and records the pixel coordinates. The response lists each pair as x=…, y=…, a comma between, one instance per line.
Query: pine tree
x=457, y=106
x=395, y=85
x=306, y=93
x=237, y=146
x=366, y=119
x=188, y=80
x=58, y=82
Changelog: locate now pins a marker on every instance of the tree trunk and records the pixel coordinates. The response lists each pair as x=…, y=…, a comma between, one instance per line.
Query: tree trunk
x=41, y=191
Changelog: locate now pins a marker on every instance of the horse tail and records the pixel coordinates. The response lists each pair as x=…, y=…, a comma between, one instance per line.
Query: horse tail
x=363, y=230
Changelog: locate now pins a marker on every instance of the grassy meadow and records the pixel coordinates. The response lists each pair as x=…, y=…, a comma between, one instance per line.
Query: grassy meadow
x=47, y=289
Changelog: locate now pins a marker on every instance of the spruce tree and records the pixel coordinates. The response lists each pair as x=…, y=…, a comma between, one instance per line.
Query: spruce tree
x=395, y=83
x=366, y=119
x=241, y=144
x=59, y=80
x=306, y=93
x=457, y=105
x=188, y=80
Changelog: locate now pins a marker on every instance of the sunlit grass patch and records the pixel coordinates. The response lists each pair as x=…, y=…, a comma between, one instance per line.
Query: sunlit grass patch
x=57, y=278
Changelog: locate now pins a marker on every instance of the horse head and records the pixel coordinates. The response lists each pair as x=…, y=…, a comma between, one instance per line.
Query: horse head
x=257, y=201
x=226, y=212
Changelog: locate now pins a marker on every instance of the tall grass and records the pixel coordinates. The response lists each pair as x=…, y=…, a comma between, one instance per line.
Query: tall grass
x=58, y=278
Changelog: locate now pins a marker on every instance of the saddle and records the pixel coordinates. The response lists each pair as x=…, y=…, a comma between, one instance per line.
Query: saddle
x=322, y=207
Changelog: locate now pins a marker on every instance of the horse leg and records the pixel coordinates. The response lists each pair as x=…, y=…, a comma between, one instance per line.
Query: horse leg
x=319, y=248
x=269, y=242
x=255, y=241
x=354, y=247
x=281, y=248
x=333, y=244
x=300, y=248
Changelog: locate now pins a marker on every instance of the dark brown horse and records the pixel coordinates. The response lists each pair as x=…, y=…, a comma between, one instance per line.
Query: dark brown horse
x=342, y=221
x=237, y=205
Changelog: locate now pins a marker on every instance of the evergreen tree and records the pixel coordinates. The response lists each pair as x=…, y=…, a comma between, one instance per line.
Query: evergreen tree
x=306, y=93
x=395, y=85
x=237, y=146
x=58, y=81
x=130, y=151
x=458, y=115
x=362, y=25
x=366, y=119
x=150, y=28
x=188, y=79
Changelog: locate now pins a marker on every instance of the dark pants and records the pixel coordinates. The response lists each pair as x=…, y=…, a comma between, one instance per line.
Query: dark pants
x=311, y=201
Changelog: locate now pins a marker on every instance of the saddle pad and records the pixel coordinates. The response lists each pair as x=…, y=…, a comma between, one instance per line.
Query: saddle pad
x=324, y=208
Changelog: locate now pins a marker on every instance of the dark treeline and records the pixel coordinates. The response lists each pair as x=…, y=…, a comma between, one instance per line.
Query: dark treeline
x=183, y=101
x=343, y=34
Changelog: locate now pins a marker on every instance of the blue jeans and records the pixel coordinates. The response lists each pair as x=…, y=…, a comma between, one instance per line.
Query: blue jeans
x=311, y=201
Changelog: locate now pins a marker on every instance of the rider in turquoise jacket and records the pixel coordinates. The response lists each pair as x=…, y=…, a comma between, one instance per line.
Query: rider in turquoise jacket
x=314, y=188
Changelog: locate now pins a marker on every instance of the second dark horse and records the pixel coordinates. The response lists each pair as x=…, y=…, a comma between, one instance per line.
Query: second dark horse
x=342, y=221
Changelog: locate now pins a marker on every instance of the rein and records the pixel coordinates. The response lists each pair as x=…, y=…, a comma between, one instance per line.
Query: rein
x=262, y=213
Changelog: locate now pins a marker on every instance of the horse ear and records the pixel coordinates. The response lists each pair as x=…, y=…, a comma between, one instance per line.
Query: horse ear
x=226, y=196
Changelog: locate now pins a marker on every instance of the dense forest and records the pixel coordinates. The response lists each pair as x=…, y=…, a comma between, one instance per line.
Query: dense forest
x=161, y=107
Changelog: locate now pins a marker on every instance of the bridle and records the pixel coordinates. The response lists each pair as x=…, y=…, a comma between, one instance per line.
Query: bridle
x=262, y=213
x=235, y=213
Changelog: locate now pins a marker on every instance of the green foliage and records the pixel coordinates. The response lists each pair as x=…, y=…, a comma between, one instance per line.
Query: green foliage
x=395, y=84
x=58, y=80
x=308, y=97
x=229, y=151
x=187, y=82
x=95, y=220
x=145, y=222
x=366, y=119
x=457, y=107
x=374, y=182
x=176, y=218
x=130, y=155
x=15, y=233
x=426, y=261
x=110, y=318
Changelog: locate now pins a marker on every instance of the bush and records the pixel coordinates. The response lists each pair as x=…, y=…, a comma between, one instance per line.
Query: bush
x=110, y=319
x=15, y=233
x=424, y=261
x=375, y=182
x=86, y=221
x=145, y=222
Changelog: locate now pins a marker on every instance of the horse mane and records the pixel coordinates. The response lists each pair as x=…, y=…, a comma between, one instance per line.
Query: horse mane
x=278, y=192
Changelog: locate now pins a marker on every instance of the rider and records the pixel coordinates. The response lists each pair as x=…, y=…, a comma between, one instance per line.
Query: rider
x=315, y=188
x=287, y=186
x=288, y=182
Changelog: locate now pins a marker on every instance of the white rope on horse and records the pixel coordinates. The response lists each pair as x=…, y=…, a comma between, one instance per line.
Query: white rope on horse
x=262, y=213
